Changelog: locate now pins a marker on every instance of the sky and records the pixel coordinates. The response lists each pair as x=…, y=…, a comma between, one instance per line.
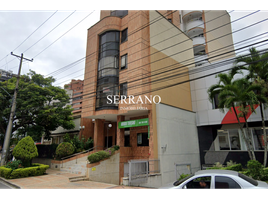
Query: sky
x=55, y=36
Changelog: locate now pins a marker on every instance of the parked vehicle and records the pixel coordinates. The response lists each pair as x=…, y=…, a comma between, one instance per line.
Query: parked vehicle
x=217, y=179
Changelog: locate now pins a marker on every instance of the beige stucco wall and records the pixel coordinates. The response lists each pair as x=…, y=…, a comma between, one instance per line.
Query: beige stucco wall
x=215, y=31
x=107, y=171
x=169, y=49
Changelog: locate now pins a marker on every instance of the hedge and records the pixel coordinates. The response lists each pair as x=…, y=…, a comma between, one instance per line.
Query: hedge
x=100, y=155
x=36, y=170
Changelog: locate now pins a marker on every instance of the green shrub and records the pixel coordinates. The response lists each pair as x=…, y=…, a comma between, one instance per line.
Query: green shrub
x=35, y=170
x=25, y=151
x=100, y=155
x=66, y=138
x=230, y=163
x=182, y=176
x=103, y=154
x=78, y=144
x=5, y=172
x=88, y=144
x=255, y=169
x=64, y=149
x=264, y=176
x=14, y=164
x=235, y=167
x=116, y=147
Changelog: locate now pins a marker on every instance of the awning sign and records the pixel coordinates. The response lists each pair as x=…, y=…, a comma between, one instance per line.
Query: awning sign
x=134, y=123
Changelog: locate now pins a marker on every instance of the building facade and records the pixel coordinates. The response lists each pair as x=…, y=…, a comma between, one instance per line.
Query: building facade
x=137, y=89
x=5, y=75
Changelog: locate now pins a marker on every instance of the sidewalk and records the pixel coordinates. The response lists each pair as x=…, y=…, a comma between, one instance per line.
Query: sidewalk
x=55, y=179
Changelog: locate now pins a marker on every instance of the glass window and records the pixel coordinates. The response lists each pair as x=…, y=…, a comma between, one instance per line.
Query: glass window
x=124, y=61
x=142, y=139
x=170, y=20
x=124, y=35
x=123, y=89
x=258, y=138
x=229, y=139
x=119, y=13
x=215, y=102
x=223, y=140
x=234, y=139
x=222, y=182
x=203, y=182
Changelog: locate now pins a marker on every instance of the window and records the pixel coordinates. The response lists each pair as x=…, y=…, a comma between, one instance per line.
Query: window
x=127, y=137
x=119, y=13
x=215, y=102
x=229, y=139
x=199, y=183
x=222, y=182
x=142, y=139
x=123, y=89
x=170, y=20
x=258, y=138
x=232, y=139
x=77, y=98
x=77, y=108
x=124, y=61
x=124, y=36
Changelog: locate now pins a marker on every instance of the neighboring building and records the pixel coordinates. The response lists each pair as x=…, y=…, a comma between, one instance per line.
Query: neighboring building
x=76, y=86
x=219, y=135
x=131, y=55
x=5, y=75
x=75, y=91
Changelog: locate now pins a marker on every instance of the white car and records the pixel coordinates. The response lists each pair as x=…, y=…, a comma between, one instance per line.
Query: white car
x=217, y=179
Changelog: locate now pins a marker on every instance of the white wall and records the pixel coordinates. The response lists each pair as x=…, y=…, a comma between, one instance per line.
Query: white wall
x=205, y=115
x=176, y=129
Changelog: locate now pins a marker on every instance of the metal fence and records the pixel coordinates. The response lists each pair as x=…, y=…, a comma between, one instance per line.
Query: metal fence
x=139, y=170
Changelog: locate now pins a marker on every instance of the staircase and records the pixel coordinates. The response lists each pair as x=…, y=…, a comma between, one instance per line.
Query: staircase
x=77, y=164
x=78, y=178
x=80, y=168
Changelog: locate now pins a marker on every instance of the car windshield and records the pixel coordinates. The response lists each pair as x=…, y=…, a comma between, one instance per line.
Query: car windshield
x=246, y=178
x=176, y=183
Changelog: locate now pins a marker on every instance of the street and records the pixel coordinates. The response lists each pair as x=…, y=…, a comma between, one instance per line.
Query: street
x=3, y=185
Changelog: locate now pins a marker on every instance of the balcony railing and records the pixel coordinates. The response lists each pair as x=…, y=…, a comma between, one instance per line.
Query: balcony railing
x=199, y=40
x=191, y=14
x=194, y=27
x=199, y=44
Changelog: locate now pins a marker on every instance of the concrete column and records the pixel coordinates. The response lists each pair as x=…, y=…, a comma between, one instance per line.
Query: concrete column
x=120, y=140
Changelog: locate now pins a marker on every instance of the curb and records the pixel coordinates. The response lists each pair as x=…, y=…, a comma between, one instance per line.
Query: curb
x=11, y=184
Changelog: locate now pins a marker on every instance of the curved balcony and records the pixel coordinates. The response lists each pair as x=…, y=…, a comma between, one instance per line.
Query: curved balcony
x=199, y=44
x=191, y=14
x=201, y=59
x=194, y=27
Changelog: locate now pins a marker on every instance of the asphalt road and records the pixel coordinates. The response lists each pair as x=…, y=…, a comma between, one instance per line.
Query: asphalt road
x=4, y=186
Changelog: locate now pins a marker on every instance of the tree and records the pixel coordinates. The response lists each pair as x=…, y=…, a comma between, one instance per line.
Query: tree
x=232, y=93
x=25, y=151
x=40, y=107
x=256, y=64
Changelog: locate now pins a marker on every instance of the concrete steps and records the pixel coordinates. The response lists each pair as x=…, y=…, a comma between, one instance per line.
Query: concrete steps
x=78, y=178
x=79, y=168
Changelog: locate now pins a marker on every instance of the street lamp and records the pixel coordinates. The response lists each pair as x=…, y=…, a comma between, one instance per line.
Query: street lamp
x=81, y=131
x=109, y=126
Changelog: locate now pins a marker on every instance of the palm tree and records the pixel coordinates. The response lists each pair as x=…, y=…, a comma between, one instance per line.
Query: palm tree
x=256, y=63
x=233, y=93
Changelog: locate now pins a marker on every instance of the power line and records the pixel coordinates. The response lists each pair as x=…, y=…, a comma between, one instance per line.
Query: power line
x=51, y=31
x=190, y=47
x=35, y=30
x=181, y=67
x=152, y=44
x=63, y=34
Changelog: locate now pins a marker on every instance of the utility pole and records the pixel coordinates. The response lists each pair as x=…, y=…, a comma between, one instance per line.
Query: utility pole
x=12, y=113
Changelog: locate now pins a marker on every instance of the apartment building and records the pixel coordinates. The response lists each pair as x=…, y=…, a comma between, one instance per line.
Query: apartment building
x=75, y=91
x=5, y=75
x=137, y=89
